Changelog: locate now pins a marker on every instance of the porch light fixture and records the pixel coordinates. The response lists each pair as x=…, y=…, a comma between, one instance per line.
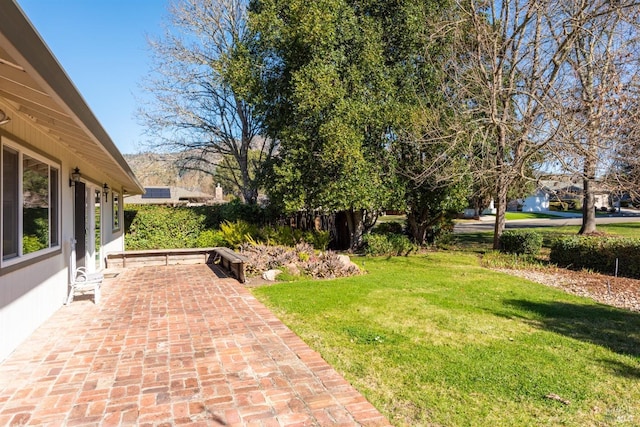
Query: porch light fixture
x=4, y=119
x=105, y=191
x=74, y=177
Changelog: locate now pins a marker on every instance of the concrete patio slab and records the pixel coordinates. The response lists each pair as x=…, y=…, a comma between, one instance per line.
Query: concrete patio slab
x=173, y=345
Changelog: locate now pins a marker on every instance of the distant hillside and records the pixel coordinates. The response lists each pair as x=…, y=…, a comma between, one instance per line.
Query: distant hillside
x=157, y=169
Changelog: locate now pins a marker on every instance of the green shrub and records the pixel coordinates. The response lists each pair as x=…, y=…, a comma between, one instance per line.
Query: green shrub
x=287, y=236
x=211, y=239
x=521, y=242
x=390, y=227
x=318, y=239
x=31, y=243
x=238, y=232
x=233, y=211
x=377, y=244
x=282, y=235
x=387, y=244
x=161, y=227
x=598, y=254
x=577, y=205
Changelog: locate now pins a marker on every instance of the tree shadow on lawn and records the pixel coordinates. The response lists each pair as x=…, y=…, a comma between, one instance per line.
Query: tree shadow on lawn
x=620, y=368
x=614, y=329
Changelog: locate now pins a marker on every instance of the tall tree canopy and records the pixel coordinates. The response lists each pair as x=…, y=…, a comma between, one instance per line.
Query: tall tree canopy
x=329, y=102
x=345, y=81
x=598, y=95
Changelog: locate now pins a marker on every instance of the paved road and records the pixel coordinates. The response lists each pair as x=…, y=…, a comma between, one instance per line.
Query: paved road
x=487, y=223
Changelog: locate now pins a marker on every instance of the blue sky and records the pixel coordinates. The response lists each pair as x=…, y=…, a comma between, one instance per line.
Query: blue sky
x=102, y=45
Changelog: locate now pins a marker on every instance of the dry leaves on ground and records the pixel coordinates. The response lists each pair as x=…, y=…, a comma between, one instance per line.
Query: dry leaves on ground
x=619, y=292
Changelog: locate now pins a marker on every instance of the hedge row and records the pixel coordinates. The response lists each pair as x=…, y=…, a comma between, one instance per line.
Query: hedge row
x=598, y=254
x=521, y=242
x=160, y=227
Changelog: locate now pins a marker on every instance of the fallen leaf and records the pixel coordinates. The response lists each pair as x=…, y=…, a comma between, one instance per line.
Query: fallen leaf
x=554, y=396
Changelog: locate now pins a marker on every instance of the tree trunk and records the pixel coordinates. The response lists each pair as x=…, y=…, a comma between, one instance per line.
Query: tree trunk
x=502, y=187
x=356, y=228
x=417, y=228
x=341, y=237
x=249, y=194
x=589, y=171
x=588, y=201
x=501, y=210
x=421, y=225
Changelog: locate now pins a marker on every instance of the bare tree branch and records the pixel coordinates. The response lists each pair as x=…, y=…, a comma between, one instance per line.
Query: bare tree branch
x=200, y=86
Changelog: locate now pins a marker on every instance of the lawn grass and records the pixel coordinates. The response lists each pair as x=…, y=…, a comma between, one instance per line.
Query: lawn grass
x=438, y=340
x=509, y=216
x=392, y=218
x=631, y=229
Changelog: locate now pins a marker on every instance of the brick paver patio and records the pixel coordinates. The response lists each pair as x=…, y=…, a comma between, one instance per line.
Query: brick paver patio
x=175, y=345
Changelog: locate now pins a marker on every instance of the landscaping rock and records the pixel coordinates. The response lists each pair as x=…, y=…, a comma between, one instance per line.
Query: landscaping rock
x=292, y=269
x=347, y=263
x=345, y=260
x=271, y=275
x=301, y=260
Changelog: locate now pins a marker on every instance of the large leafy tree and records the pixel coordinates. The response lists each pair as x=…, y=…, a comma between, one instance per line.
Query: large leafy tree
x=203, y=75
x=349, y=86
x=328, y=99
x=433, y=168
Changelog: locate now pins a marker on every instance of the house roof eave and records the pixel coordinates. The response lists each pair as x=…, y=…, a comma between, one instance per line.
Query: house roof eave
x=37, y=85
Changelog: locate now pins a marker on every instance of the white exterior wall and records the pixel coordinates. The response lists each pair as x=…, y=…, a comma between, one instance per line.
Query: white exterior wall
x=29, y=297
x=536, y=203
x=30, y=292
x=112, y=239
x=601, y=200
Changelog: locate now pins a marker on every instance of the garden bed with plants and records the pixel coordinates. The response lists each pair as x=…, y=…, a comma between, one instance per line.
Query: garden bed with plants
x=293, y=263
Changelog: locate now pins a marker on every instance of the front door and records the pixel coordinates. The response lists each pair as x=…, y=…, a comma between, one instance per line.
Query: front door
x=80, y=223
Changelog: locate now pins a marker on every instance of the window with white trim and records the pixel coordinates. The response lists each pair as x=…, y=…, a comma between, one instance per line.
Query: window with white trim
x=30, y=207
x=115, y=198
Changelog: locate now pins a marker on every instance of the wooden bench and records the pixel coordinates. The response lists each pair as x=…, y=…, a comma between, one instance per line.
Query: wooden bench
x=227, y=258
x=231, y=261
x=148, y=257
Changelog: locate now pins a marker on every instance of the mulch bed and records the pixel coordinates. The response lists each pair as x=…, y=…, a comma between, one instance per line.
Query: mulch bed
x=619, y=292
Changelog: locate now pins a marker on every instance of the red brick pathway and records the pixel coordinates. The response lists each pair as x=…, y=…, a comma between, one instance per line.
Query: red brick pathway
x=173, y=346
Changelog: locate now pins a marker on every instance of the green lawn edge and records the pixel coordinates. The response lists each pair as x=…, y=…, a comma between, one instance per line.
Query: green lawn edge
x=437, y=339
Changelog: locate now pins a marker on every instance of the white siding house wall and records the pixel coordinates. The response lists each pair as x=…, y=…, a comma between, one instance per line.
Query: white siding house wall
x=539, y=202
x=49, y=130
x=31, y=291
x=601, y=201
x=28, y=298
